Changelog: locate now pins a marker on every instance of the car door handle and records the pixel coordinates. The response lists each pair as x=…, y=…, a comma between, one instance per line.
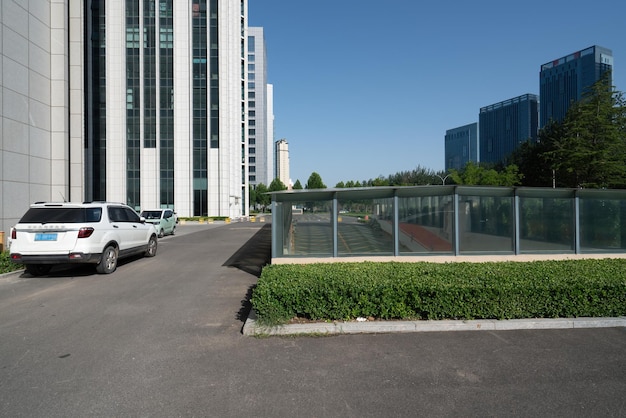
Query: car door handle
x=115, y=226
x=134, y=226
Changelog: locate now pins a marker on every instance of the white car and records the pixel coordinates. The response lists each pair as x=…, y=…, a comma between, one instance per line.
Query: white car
x=98, y=233
x=164, y=220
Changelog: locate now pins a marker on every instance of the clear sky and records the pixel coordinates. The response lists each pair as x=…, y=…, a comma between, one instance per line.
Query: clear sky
x=367, y=88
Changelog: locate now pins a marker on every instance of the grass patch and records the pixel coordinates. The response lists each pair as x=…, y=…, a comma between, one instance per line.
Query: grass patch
x=393, y=290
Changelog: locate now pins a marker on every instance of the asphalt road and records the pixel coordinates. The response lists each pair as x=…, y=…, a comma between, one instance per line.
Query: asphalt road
x=161, y=337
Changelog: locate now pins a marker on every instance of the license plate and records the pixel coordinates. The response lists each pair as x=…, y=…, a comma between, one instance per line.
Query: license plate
x=46, y=237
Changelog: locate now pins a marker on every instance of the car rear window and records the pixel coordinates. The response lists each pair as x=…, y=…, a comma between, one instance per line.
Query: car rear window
x=61, y=215
x=151, y=214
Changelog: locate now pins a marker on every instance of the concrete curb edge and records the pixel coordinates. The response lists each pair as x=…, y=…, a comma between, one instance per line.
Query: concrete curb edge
x=251, y=328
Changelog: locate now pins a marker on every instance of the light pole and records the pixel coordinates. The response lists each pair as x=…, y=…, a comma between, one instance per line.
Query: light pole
x=443, y=179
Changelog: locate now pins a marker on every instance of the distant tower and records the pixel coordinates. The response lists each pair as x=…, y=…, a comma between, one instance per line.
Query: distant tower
x=282, y=161
x=506, y=125
x=260, y=113
x=564, y=80
x=461, y=146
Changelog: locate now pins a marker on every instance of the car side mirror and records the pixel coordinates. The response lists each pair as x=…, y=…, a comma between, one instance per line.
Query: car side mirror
x=142, y=219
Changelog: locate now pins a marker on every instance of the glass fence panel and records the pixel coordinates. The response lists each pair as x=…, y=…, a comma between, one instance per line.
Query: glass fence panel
x=486, y=224
x=365, y=226
x=602, y=225
x=311, y=229
x=426, y=224
x=546, y=225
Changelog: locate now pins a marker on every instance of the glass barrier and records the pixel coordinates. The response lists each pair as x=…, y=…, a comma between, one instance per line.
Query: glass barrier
x=546, y=225
x=365, y=226
x=428, y=220
x=486, y=224
x=311, y=232
x=602, y=224
x=426, y=225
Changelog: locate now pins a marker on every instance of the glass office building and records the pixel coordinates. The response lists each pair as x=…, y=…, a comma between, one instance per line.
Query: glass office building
x=461, y=146
x=166, y=108
x=506, y=125
x=564, y=80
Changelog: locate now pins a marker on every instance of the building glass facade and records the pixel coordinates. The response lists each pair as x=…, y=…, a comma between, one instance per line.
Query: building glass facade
x=176, y=127
x=504, y=126
x=461, y=146
x=260, y=141
x=564, y=80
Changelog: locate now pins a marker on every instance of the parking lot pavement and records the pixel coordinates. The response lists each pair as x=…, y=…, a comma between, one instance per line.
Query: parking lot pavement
x=162, y=337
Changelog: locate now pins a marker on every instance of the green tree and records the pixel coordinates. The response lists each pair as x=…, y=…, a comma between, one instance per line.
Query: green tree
x=594, y=146
x=315, y=182
x=379, y=181
x=586, y=149
x=262, y=198
x=277, y=185
x=474, y=174
x=252, y=197
x=297, y=185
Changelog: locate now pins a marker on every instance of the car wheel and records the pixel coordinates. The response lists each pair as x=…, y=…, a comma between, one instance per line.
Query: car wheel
x=161, y=233
x=108, y=262
x=152, y=247
x=38, y=269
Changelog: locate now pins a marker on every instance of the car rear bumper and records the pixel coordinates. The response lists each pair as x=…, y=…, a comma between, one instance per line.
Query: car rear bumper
x=73, y=258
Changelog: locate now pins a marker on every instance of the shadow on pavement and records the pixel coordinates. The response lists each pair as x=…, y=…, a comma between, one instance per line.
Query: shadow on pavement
x=251, y=258
x=254, y=254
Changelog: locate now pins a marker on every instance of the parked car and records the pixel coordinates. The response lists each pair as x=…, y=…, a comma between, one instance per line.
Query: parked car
x=164, y=220
x=98, y=233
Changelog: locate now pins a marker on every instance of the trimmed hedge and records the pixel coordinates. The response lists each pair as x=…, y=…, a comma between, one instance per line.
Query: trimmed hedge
x=498, y=290
x=6, y=265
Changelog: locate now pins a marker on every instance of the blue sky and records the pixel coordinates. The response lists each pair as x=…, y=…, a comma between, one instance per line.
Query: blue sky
x=365, y=88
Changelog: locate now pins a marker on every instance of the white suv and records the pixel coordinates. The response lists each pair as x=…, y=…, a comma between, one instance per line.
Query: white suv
x=67, y=233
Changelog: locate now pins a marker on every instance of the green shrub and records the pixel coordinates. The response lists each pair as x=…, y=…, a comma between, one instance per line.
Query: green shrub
x=345, y=291
x=6, y=265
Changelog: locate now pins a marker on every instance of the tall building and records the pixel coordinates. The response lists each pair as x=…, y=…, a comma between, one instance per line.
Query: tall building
x=461, y=146
x=506, y=125
x=140, y=101
x=41, y=106
x=167, y=117
x=563, y=81
x=282, y=162
x=260, y=118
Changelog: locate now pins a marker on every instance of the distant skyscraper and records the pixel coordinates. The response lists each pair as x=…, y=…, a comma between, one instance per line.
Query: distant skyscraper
x=563, y=81
x=260, y=118
x=282, y=162
x=461, y=146
x=506, y=125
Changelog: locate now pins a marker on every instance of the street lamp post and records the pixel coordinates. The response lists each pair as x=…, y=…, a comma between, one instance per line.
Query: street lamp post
x=443, y=179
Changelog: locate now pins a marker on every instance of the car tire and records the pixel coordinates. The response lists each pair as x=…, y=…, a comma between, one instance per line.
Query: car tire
x=152, y=247
x=161, y=233
x=174, y=230
x=108, y=261
x=38, y=269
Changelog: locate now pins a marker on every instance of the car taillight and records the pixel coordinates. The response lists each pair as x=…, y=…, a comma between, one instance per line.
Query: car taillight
x=16, y=256
x=85, y=232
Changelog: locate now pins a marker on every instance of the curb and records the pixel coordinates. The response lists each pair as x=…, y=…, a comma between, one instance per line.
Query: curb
x=251, y=328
